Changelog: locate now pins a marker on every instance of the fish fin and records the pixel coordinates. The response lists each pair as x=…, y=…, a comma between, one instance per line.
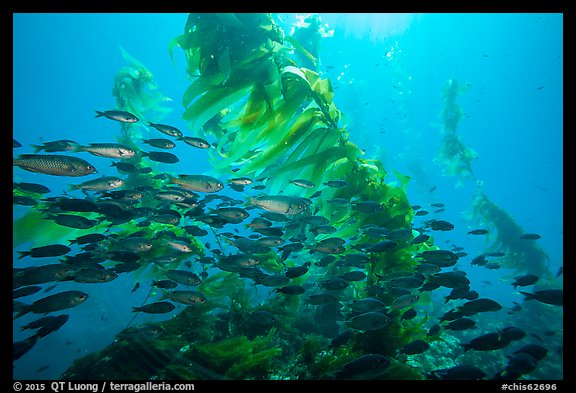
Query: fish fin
x=37, y=148
x=466, y=347
x=100, y=113
x=24, y=311
x=24, y=254
x=528, y=295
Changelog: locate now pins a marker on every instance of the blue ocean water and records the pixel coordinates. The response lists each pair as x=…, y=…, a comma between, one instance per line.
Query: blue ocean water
x=388, y=72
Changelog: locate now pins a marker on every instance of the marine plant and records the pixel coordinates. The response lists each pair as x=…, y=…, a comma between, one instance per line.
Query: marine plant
x=275, y=121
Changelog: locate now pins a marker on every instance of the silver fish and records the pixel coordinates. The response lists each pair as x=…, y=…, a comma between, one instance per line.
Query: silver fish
x=56, y=165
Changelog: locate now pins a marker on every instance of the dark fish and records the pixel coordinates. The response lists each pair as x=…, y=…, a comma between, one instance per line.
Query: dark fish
x=407, y=282
x=291, y=290
x=287, y=250
x=161, y=156
x=166, y=129
x=155, y=308
x=518, y=365
x=560, y=271
x=367, y=207
x=371, y=320
x=453, y=279
x=160, y=143
x=367, y=304
x=415, y=347
x=462, y=323
x=478, y=232
x=437, y=204
x=53, y=250
x=121, y=116
x=40, y=274
x=441, y=258
x=20, y=348
x=24, y=200
x=334, y=284
x=479, y=305
x=369, y=366
x=427, y=268
x=462, y=372
x=382, y=246
x=297, y=271
x=513, y=333
x=125, y=167
x=342, y=338
x=321, y=299
x=409, y=314
x=487, y=342
x=58, y=301
x=530, y=236
x=94, y=275
x=51, y=325
x=195, y=230
x=523, y=281
x=55, y=146
x=538, y=352
x=86, y=239
x=421, y=213
x=32, y=188
x=71, y=204
x=553, y=297
x=25, y=291
x=195, y=142
x=73, y=221
x=336, y=183
x=457, y=293
x=56, y=165
x=165, y=284
x=434, y=330
x=183, y=277
x=439, y=225
x=355, y=275
x=108, y=150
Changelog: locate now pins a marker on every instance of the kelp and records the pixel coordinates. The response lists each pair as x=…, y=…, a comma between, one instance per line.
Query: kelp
x=276, y=121
x=455, y=157
x=520, y=255
x=135, y=91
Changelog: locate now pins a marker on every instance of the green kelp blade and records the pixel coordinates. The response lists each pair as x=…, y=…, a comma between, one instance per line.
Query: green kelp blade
x=298, y=130
x=212, y=102
x=404, y=179
x=34, y=227
x=294, y=42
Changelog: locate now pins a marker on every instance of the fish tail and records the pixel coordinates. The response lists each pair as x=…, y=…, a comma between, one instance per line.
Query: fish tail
x=24, y=254
x=24, y=311
x=37, y=148
x=466, y=347
x=77, y=148
x=528, y=295
x=99, y=113
x=136, y=309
